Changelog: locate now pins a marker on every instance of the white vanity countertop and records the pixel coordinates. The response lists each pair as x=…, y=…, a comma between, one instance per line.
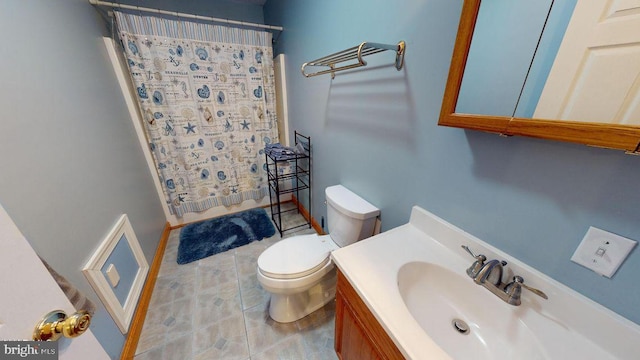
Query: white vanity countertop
x=372, y=265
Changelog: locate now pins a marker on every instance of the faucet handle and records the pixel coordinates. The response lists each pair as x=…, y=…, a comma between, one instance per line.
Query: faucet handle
x=481, y=258
x=474, y=269
x=519, y=281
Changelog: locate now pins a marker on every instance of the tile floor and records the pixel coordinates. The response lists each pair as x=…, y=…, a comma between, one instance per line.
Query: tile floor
x=214, y=308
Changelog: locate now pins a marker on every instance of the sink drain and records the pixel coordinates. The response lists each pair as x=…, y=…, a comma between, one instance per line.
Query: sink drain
x=460, y=326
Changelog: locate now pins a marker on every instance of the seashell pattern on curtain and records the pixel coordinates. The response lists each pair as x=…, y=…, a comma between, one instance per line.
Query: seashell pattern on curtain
x=207, y=97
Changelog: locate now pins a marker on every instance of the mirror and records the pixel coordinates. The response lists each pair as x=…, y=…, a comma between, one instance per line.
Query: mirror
x=535, y=95
x=493, y=83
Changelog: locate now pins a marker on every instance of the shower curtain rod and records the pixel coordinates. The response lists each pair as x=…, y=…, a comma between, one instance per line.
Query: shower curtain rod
x=183, y=15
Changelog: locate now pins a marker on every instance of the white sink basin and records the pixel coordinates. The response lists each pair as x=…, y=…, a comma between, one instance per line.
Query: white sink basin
x=445, y=304
x=413, y=279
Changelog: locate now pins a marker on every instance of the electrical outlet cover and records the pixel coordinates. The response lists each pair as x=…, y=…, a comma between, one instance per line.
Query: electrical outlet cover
x=602, y=251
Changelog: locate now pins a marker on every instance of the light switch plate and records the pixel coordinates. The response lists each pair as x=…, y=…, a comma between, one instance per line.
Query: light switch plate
x=602, y=251
x=112, y=275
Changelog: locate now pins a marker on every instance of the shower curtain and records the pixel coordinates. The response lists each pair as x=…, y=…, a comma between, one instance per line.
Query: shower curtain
x=207, y=98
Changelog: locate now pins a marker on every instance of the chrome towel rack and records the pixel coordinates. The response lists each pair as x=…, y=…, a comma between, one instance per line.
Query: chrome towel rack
x=354, y=53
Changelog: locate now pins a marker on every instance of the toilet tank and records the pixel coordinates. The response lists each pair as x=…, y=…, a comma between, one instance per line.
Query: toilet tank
x=350, y=217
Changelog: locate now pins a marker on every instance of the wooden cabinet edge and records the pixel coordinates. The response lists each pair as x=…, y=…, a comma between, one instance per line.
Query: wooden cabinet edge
x=347, y=299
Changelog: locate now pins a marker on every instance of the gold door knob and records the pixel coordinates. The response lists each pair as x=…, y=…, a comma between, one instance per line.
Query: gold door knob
x=56, y=324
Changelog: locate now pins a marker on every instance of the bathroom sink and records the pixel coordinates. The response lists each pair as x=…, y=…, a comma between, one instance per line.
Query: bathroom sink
x=464, y=319
x=413, y=279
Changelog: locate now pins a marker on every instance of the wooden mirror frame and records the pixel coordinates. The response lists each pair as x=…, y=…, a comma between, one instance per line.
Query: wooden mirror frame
x=623, y=137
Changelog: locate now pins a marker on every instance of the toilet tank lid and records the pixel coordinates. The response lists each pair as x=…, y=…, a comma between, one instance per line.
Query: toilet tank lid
x=349, y=203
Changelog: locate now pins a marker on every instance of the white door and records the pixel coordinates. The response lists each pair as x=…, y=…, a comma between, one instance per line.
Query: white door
x=29, y=292
x=596, y=74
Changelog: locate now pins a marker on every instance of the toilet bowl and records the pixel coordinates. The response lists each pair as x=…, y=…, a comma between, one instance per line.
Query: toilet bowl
x=298, y=271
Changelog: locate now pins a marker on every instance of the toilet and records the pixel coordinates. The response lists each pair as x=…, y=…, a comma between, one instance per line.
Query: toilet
x=298, y=272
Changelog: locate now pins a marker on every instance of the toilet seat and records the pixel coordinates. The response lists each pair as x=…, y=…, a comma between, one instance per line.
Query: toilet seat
x=296, y=257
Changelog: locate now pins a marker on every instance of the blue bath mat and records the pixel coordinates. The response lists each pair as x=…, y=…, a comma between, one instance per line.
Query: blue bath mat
x=202, y=239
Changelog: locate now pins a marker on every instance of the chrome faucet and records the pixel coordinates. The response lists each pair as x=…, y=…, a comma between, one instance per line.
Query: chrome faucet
x=489, y=275
x=477, y=265
x=490, y=272
x=514, y=290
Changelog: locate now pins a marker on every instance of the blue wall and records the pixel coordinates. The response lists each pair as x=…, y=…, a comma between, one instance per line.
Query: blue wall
x=375, y=131
x=72, y=163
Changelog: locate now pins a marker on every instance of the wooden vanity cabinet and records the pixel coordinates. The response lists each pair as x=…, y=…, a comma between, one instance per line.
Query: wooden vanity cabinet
x=359, y=335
